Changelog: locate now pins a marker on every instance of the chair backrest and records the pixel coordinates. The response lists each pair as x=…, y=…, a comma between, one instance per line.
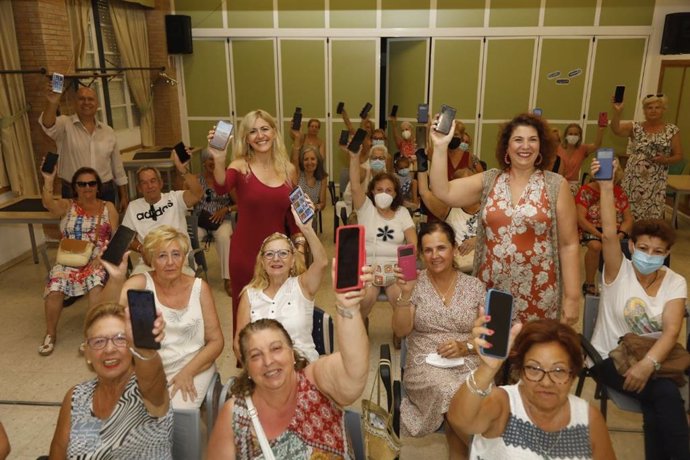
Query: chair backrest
x=322, y=331
x=353, y=426
x=331, y=191
x=193, y=233
x=344, y=179
x=589, y=316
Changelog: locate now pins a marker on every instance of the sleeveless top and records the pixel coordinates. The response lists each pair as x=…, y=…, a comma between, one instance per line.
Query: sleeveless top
x=184, y=330
x=316, y=431
x=523, y=440
x=313, y=192
x=292, y=309
x=129, y=433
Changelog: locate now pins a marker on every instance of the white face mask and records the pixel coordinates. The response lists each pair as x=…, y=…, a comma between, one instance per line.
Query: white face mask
x=378, y=142
x=383, y=200
x=572, y=139
x=406, y=134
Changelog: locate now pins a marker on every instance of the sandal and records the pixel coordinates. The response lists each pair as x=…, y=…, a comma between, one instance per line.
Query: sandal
x=48, y=345
x=589, y=289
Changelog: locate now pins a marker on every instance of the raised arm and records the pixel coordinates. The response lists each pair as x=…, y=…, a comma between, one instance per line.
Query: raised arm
x=219, y=158
x=57, y=207
x=358, y=193
x=597, y=140
x=569, y=254
x=620, y=129
x=52, y=103
x=396, y=130
x=297, y=140
x=193, y=189
x=311, y=279
x=611, y=247
x=347, y=122
x=343, y=374
x=433, y=204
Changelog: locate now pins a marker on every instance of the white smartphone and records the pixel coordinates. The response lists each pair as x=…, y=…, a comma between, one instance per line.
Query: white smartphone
x=222, y=135
x=58, y=82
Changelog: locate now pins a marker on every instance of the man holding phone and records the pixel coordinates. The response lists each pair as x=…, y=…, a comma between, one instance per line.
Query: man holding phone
x=82, y=140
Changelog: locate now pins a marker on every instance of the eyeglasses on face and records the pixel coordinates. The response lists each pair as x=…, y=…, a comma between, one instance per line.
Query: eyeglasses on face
x=282, y=254
x=536, y=374
x=91, y=183
x=654, y=95
x=98, y=343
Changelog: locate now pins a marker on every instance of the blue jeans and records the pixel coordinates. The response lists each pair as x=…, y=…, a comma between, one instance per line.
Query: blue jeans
x=663, y=413
x=108, y=191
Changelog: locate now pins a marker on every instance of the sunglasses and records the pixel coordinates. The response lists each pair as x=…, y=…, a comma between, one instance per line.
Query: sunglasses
x=91, y=183
x=654, y=95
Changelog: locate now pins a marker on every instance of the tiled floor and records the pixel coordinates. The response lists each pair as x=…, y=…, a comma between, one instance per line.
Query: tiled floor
x=25, y=376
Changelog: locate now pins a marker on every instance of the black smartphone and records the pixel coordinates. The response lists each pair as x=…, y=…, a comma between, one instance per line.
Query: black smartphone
x=301, y=205
x=605, y=158
x=50, y=162
x=350, y=255
x=142, y=312
x=499, y=305
x=341, y=106
x=618, y=95
x=423, y=113
x=357, y=140
x=422, y=160
x=344, y=134
x=394, y=111
x=58, y=82
x=181, y=152
x=445, y=119
x=118, y=244
x=297, y=119
x=222, y=135
x=365, y=110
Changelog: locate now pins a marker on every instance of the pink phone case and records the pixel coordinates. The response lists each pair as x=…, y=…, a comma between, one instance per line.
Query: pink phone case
x=407, y=261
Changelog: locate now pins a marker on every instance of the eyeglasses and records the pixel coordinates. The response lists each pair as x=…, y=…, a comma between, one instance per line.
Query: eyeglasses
x=98, y=343
x=91, y=183
x=536, y=374
x=282, y=254
x=654, y=95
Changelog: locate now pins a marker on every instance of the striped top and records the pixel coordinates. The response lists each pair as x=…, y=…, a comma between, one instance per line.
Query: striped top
x=313, y=192
x=129, y=433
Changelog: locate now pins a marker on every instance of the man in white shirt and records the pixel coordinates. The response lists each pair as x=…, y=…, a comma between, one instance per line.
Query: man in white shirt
x=82, y=140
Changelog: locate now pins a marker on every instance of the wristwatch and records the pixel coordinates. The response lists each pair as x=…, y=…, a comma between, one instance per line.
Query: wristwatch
x=657, y=364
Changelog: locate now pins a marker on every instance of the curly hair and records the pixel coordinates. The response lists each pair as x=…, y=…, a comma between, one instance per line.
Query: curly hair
x=547, y=144
x=160, y=237
x=397, y=199
x=243, y=384
x=547, y=331
x=260, y=279
x=654, y=228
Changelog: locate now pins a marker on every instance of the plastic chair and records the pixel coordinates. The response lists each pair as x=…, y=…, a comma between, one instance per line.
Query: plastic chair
x=322, y=331
x=353, y=427
x=197, y=258
x=187, y=442
x=334, y=200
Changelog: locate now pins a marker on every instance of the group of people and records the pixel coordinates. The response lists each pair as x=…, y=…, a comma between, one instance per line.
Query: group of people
x=520, y=222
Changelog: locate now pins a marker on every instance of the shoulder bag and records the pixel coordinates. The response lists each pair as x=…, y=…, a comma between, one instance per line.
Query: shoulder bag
x=380, y=440
x=77, y=253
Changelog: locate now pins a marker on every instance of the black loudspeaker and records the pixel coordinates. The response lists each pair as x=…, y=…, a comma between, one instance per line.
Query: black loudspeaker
x=676, y=38
x=178, y=32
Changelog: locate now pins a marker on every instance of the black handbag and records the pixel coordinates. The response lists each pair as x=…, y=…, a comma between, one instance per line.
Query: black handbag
x=206, y=223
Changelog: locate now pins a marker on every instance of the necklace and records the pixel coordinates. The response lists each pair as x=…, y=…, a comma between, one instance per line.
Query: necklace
x=544, y=453
x=438, y=291
x=656, y=275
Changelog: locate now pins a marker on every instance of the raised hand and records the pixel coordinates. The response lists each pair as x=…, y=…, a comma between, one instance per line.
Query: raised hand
x=480, y=329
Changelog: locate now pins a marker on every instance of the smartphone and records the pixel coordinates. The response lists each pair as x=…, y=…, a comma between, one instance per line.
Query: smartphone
x=499, y=305
x=142, y=312
x=50, y=162
x=365, y=110
x=344, y=135
x=394, y=111
x=618, y=95
x=603, y=119
x=407, y=261
x=58, y=82
x=537, y=112
x=445, y=119
x=605, y=157
x=422, y=160
x=222, y=135
x=350, y=256
x=301, y=205
x=341, y=106
x=181, y=152
x=118, y=244
x=297, y=119
x=423, y=113
x=357, y=140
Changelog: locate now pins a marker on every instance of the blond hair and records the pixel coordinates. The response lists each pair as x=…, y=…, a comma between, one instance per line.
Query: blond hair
x=160, y=237
x=648, y=99
x=260, y=279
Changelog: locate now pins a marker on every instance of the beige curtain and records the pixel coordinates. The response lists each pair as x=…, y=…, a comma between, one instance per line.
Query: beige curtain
x=78, y=12
x=15, y=137
x=129, y=23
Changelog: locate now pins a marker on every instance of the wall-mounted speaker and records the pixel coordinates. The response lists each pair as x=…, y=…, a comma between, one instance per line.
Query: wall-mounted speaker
x=178, y=32
x=676, y=38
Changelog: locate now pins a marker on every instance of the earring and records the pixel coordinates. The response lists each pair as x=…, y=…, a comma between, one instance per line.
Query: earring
x=539, y=158
x=88, y=361
x=506, y=158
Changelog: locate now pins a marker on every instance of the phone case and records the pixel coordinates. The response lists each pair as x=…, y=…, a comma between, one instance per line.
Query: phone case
x=605, y=158
x=118, y=244
x=181, y=152
x=357, y=140
x=408, y=263
x=603, y=119
x=142, y=313
x=423, y=113
x=508, y=315
x=58, y=82
x=365, y=110
x=222, y=135
x=297, y=120
x=341, y=106
x=445, y=120
x=50, y=162
x=351, y=260
x=299, y=202
x=344, y=134
x=394, y=111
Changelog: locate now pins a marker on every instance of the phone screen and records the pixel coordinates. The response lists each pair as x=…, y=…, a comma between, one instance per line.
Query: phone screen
x=423, y=113
x=297, y=119
x=618, y=96
x=499, y=305
x=344, y=134
x=222, y=135
x=605, y=157
x=181, y=152
x=347, y=257
x=58, y=82
x=445, y=119
x=50, y=162
x=357, y=140
x=341, y=106
x=142, y=312
x=118, y=244
x=301, y=205
x=537, y=112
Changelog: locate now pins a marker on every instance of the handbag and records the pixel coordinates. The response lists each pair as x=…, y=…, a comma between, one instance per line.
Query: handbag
x=205, y=222
x=259, y=430
x=77, y=253
x=633, y=348
x=380, y=440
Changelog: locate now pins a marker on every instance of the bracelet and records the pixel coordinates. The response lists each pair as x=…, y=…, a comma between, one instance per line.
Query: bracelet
x=401, y=301
x=474, y=389
x=140, y=356
x=344, y=312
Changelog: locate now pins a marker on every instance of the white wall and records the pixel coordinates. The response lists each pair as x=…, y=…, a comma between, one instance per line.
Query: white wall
x=14, y=239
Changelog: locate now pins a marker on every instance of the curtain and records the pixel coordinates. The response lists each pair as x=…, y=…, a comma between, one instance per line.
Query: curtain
x=16, y=150
x=129, y=23
x=78, y=12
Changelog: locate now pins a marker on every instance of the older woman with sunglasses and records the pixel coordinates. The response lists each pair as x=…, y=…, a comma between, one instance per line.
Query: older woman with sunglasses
x=537, y=417
x=653, y=146
x=85, y=217
x=281, y=289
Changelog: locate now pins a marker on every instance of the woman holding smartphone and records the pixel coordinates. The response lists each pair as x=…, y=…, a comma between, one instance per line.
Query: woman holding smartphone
x=262, y=177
